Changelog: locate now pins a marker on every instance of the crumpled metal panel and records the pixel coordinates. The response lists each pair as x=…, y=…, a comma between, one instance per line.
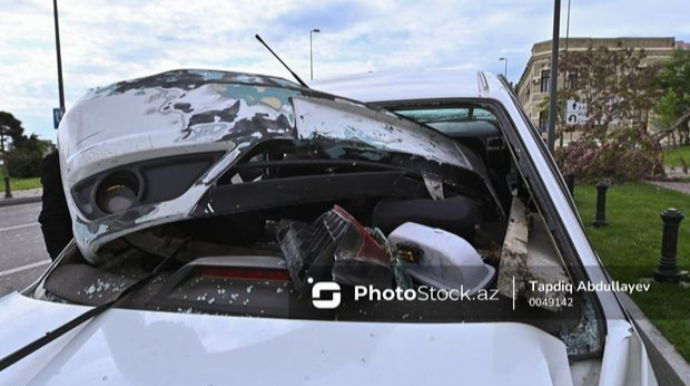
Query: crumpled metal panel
x=197, y=111
x=346, y=121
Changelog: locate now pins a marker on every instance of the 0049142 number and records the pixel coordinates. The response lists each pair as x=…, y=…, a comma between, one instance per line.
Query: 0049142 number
x=551, y=302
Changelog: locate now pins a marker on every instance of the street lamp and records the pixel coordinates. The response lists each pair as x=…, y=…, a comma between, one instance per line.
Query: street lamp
x=311, y=52
x=61, y=88
x=505, y=67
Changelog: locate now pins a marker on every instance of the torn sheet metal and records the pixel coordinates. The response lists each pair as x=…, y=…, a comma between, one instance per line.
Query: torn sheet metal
x=434, y=184
x=198, y=111
x=359, y=125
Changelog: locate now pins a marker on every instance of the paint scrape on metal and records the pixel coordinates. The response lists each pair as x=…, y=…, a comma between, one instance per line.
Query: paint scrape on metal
x=321, y=118
x=184, y=112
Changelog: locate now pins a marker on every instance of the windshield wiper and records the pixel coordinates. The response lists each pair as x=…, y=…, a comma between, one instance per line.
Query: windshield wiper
x=50, y=336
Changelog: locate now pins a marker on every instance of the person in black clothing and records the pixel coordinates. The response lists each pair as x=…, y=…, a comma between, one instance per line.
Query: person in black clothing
x=56, y=223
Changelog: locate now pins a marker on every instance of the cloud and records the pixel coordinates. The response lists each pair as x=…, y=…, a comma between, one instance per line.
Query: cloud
x=105, y=41
x=336, y=16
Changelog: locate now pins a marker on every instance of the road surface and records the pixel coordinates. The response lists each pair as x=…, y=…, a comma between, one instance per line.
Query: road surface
x=23, y=255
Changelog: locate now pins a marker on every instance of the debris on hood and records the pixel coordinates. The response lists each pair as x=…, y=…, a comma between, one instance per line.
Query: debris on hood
x=486, y=246
x=360, y=258
x=444, y=260
x=335, y=246
x=531, y=260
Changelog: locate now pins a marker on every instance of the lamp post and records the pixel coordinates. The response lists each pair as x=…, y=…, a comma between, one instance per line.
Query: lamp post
x=61, y=88
x=553, y=79
x=311, y=52
x=505, y=66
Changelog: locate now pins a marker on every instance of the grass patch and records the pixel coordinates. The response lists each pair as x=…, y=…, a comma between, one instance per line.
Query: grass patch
x=675, y=157
x=630, y=247
x=20, y=183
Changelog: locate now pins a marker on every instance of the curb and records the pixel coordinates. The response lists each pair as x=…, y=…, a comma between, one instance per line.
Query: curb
x=19, y=201
x=669, y=366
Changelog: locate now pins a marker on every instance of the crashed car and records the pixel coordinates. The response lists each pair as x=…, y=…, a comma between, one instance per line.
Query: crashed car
x=236, y=228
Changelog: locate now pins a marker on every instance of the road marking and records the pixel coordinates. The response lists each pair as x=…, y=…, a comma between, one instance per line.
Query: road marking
x=24, y=268
x=33, y=224
x=513, y=292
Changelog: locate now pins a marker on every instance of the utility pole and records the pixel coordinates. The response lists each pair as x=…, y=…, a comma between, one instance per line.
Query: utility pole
x=566, y=84
x=551, y=138
x=311, y=52
x=61, y=87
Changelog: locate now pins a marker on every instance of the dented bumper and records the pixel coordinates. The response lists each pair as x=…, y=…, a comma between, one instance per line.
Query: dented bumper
x=215, y=116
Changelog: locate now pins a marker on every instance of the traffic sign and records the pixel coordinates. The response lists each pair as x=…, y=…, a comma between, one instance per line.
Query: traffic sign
x=575, y=112
x=58, y=112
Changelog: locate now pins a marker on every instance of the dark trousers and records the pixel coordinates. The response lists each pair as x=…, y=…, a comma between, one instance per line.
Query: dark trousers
x=55, y=220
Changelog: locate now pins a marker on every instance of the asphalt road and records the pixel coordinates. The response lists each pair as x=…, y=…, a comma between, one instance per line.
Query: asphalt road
x=23, y=256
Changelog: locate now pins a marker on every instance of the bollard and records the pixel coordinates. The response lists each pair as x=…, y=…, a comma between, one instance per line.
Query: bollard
x=667, y=270
x=8, y=188
x=570, y=182
x=600, y=217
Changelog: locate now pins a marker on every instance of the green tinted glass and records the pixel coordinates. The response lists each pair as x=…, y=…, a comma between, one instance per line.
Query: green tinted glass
x=456, y=122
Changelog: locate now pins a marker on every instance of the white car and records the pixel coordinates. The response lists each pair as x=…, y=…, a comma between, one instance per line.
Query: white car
x=241, y=229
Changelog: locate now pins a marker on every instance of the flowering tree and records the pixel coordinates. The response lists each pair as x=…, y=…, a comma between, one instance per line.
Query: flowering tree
x=618, y=88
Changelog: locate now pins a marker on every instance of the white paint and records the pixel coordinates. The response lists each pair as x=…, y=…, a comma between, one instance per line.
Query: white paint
x=24, y=268
x=22, y=226
x=127, y=347
x=104, y=131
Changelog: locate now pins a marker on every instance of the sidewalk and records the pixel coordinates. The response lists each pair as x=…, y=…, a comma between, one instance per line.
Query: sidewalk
x=683, y=187
x=21, y=197
x=675, y=173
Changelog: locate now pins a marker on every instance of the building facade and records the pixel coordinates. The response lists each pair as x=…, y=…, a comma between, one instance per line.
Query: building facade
x=535, y=81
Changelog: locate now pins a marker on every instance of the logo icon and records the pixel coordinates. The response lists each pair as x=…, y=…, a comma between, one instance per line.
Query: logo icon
x=324, y=287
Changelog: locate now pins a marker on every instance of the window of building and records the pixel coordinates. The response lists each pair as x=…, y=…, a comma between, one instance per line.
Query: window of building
x=543, y=117
x=571, y=81
x=545, y=80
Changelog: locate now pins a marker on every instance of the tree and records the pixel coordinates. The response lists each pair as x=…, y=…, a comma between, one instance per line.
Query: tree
x=10, y=129
x=615, y=84
x=673, y=108
x=22, y=154
x=618, y=88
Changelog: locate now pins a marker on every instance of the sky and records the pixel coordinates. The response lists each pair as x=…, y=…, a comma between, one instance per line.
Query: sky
x=105, y=41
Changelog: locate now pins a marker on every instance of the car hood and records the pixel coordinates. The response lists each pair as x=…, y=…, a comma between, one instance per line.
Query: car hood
x=127, y=347
x=178, y=113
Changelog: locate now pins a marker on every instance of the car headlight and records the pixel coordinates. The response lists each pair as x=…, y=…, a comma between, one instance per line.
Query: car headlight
x=118, y=192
